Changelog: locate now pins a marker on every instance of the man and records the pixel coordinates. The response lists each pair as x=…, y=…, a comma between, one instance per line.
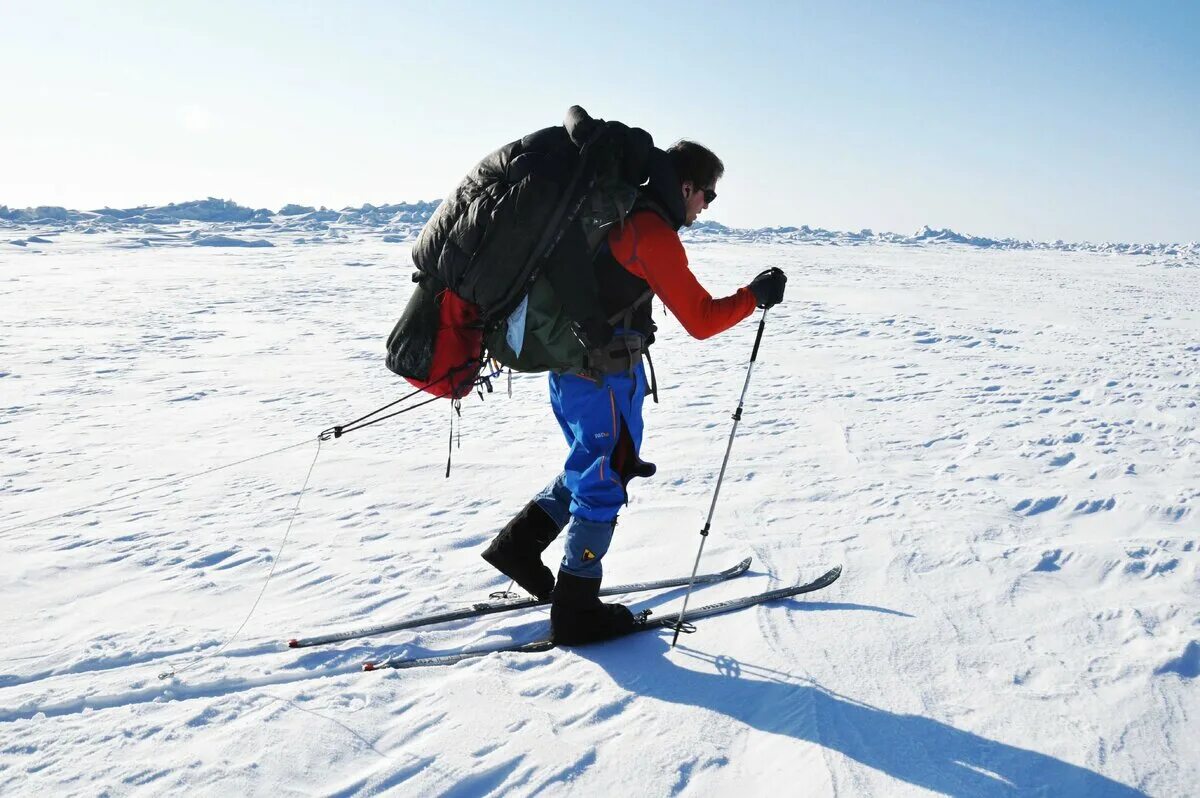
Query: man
x=599, y=407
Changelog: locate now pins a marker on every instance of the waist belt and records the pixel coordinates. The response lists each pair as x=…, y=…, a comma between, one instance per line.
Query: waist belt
x=623, y=353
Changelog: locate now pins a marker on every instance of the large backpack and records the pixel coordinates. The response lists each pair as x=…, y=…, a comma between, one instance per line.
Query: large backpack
x=504, y=266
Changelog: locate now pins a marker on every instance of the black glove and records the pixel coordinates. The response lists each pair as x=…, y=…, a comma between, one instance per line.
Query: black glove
x=768, y=287
x=594, y=333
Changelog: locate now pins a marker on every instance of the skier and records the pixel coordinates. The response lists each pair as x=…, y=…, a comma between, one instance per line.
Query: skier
x=599, y=406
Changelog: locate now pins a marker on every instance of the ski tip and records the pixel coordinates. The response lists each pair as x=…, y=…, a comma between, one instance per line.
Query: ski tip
x=293, y=644
x=737, y=570
x=368, y=666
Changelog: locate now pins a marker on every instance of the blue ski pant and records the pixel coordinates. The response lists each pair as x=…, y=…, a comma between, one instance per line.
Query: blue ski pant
x=602, y=423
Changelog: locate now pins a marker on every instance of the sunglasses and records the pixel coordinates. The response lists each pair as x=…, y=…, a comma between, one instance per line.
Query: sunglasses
x=709, y=195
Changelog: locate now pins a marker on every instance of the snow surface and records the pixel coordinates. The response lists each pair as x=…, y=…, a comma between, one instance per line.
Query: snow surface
x=999, y=444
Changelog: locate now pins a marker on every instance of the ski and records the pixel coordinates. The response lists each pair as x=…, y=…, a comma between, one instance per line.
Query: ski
x=490, y=607
x=824, y=580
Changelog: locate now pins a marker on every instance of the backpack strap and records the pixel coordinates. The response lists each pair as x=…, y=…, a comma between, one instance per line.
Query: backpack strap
x=653, y=379
x=625, y=317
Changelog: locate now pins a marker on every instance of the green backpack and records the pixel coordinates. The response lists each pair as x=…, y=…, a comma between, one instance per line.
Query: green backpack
x=498, y=239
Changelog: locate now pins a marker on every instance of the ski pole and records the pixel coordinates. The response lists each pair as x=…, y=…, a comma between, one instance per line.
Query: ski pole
x=737, y=417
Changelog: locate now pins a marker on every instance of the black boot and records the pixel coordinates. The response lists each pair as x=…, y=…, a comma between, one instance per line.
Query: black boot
x=577, y=615
x=517, y=550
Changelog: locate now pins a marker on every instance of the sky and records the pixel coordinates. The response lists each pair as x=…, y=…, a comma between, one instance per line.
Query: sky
x=1051, y=120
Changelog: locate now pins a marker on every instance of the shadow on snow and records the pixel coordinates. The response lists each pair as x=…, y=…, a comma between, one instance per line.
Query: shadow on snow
x=914, y=749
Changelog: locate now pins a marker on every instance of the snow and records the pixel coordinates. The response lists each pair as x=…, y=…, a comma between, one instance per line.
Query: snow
x=229, y=241
x=998, y=442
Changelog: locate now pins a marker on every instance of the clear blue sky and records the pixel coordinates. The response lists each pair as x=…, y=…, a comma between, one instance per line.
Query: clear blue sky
x=1078, y=121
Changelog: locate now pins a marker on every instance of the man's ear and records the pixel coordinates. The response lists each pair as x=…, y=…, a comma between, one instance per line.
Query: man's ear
x=688, y=188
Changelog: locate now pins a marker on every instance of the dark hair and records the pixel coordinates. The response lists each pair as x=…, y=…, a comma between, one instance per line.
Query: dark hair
x=696, y=163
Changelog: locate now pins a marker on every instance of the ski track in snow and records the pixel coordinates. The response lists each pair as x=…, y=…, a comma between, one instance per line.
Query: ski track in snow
x=1001, y=447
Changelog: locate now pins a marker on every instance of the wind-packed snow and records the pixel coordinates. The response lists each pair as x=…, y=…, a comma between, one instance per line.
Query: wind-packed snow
x=999, y=443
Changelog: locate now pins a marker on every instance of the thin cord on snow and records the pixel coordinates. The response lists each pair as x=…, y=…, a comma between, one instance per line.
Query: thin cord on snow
x=136, y=491
x=332, y=432
x=275, y=564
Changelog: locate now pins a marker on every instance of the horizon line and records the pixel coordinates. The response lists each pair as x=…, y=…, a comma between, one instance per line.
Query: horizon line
x=8, y=214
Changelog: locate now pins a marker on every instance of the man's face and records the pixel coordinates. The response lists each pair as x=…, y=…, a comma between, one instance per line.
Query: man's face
x=694, y=200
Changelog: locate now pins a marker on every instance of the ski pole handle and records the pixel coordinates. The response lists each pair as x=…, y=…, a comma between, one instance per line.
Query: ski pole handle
x=762, y=325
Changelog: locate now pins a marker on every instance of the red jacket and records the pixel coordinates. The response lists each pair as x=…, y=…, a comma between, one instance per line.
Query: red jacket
x=648, y=248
